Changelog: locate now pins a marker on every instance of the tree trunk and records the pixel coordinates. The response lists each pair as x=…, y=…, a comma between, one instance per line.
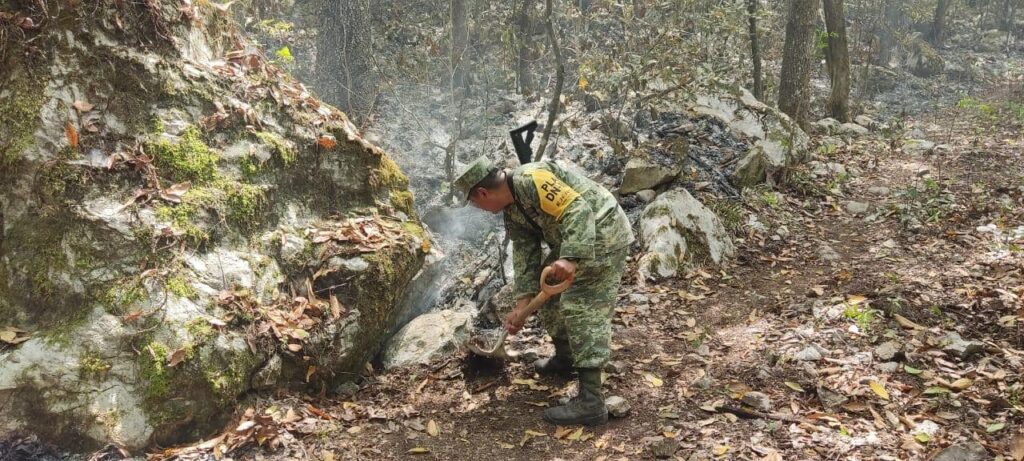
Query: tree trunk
x=838, y=57
x=887, y=28
x=939, y=23
x=556, y=98
x=344, y=56
x=794, y=81
x=755, y=49
x=523, y=31
x=460, y=45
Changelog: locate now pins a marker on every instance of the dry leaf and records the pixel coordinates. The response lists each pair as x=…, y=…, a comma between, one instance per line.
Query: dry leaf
x=175, y=357
x=907, y=323
x=773, y=456
x=82, y=106
x=653, y=380
x=794, y=386
x=961, y=384
x=72, y=134
x=310, y=371
x=327, y=141
x=327, y=455
x=1017, y=448
x=295, y=347
x=432, y=429
x=175, y=193
x=879, y=389
x=419, y=451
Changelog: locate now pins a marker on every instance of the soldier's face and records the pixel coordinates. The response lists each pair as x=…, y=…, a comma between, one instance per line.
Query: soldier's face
x=486, y=200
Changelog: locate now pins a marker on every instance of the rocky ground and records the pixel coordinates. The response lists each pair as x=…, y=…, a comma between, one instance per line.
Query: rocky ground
x=872, y=311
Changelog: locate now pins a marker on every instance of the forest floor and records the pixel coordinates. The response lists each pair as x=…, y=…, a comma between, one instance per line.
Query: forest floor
x=839, y=320
x=877, y=314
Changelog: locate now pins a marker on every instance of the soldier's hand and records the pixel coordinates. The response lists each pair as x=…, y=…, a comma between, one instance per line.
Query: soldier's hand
x=563, y=269
x=515, y=320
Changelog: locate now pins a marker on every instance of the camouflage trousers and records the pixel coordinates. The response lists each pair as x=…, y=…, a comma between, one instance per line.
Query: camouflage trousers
x=583, y=313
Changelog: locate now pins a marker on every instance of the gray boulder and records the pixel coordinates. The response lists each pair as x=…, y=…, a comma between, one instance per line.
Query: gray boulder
x=166, y=199
x=652, y=166
x=826, y=126
x=852, y=129
x=970, y=451
x=922, y=60
x=678, y=233
x=427, y=338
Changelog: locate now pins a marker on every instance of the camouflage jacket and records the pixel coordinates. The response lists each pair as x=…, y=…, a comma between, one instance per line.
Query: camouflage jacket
x=577, y=218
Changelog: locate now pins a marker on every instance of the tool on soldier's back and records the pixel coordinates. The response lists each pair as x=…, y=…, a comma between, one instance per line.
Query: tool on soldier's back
x=546, y=292
x=523, y=150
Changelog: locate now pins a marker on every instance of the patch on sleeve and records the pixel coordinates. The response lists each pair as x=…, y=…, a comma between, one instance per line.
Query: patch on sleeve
x=555, y=195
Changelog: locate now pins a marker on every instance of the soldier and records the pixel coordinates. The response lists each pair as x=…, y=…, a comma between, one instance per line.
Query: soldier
x=588, y=235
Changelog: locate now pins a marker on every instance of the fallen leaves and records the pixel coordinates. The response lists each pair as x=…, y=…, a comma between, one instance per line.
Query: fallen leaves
x=327, y=141
x=72, y=134
x=531, y=383
x=12, y=335
x=879, y=389
x=653, y=380
x=175, y=357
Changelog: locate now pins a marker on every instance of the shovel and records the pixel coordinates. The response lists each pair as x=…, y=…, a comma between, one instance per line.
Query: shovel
x=546, y=292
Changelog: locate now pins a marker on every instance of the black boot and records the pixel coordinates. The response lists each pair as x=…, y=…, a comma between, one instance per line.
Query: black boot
x=586, y=408
x=558, y=364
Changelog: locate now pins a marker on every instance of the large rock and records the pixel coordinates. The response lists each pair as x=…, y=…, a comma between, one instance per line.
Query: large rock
x=922, y=60
x=776, y=142
x=653, y=165
x=166, y=230
x=427, y=338
x=678, y=232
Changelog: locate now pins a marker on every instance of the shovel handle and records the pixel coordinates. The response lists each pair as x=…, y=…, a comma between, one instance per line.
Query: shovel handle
x=546, y=292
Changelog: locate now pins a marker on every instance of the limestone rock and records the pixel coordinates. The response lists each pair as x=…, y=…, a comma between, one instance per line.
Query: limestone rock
x=809, y=354
x=857, y=208
x=826, y=126
x=618, y=407
x=852, y=129
x=970, y=451
x=922, y=60
x=887, y=351
x=776, y=141
x=427, y=338
x=140, y=313
x=961, y=348
x=644, y=172
x=866, y=122
x=678, y=232
x=918, y=146
x=757, y=400
x=647, y=195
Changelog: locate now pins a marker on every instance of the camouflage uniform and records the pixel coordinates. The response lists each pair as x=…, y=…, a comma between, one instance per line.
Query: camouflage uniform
x=579, y=220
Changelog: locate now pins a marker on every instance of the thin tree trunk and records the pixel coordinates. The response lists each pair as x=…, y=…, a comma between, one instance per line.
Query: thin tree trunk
x=939, y=23
x=838, y=56
x=460, y=44
x=795, y=79
x=755, y=49
x=556, y=103
x=522, y=33
x=344, y=56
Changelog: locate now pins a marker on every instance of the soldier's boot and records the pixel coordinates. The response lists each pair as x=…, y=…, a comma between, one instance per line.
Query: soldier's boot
x=586, y=408
x=559, y=364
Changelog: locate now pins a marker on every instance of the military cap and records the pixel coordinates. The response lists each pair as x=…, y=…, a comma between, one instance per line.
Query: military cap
x=473, y=174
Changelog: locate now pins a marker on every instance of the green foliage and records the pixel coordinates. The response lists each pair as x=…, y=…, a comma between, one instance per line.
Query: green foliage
x=284, y=54
x=153, y=371
x=179, y=286
x=862, y=315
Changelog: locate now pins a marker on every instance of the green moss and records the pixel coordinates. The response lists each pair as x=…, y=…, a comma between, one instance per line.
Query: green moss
x=154, y=372
x=403, y=201
x=244, y=202
x=182, y=218
x=280, y=146
x=227, y=382
x=19, y=115
x=200, y=330
x=388, y=175
x=91, y=366
x=250, y=166
x=179, y=286
x=190, y=159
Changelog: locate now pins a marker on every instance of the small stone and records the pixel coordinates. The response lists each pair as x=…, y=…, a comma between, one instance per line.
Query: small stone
x=618, y=407
x=616, y=367
x=852, y=129
x=971, y=451
x=661, y=447
x=878, y=190
x=857, y=208
x=809, y=354
x=783, y=232
x=865, y=121
x=888, y=367
x=757, y=401
x=918, y=146
x=829, y=398
x=646, y=195
x=887, y=351
x=638, y=298
x=827, y=253
x=962, y=349
x=705, y=382
x=347, y=389
x=703, y=350
x=927, y=427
